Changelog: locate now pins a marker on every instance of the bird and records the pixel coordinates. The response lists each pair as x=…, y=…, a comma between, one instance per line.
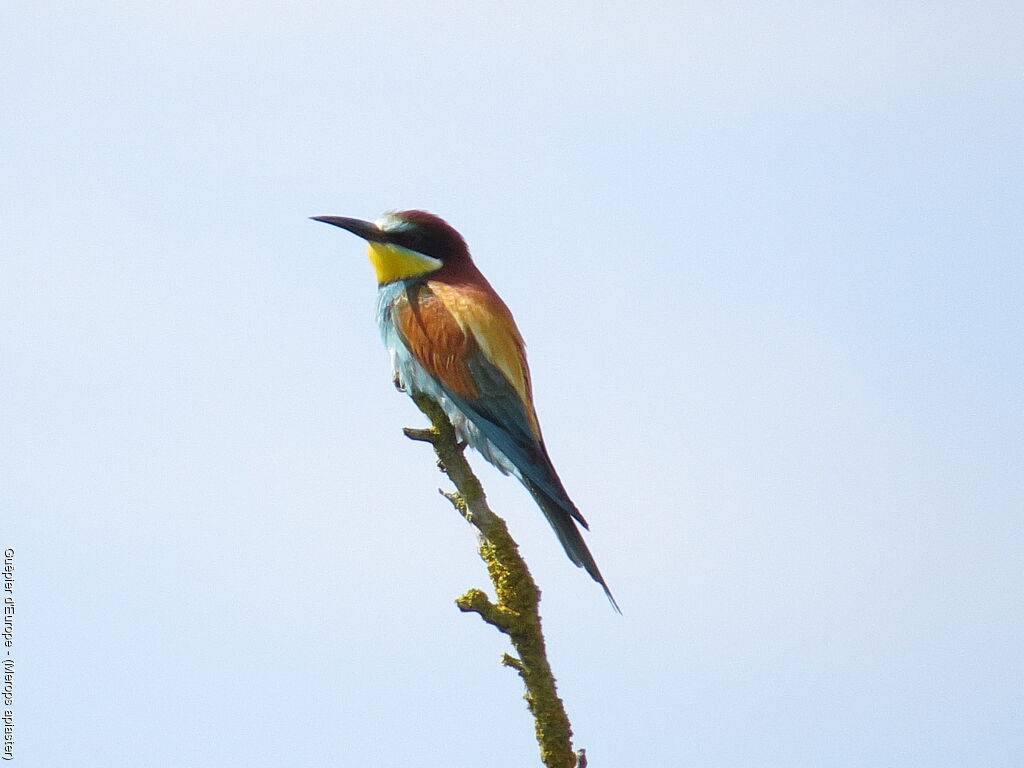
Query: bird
x=451, y=337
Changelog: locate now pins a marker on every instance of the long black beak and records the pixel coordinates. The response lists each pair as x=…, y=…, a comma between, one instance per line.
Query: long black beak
x=364, y=229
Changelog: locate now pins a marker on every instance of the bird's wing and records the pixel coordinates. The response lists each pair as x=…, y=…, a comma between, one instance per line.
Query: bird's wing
x=436, y=339
x=486, y=322
x=466, y=339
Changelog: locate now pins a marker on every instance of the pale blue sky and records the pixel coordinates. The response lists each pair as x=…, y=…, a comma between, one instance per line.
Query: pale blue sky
x=768, y=262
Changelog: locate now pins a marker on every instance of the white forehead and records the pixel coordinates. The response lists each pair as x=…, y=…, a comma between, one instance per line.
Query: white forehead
x=392, y=222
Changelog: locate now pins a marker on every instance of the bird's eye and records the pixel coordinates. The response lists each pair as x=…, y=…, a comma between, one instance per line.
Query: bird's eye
x=413, y=240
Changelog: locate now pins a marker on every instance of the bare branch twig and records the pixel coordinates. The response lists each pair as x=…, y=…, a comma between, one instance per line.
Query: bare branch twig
x=516, y=612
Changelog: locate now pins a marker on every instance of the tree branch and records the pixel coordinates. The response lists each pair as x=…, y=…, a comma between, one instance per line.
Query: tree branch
x=516, y=612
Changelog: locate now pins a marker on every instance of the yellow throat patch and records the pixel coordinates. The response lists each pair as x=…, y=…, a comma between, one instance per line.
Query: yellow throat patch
x=393, y=263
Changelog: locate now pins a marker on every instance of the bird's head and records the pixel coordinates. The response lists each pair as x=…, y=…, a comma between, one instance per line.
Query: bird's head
x=406, y=244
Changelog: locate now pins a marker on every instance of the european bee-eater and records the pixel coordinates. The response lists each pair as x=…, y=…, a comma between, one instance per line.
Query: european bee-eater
x=451, y=337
